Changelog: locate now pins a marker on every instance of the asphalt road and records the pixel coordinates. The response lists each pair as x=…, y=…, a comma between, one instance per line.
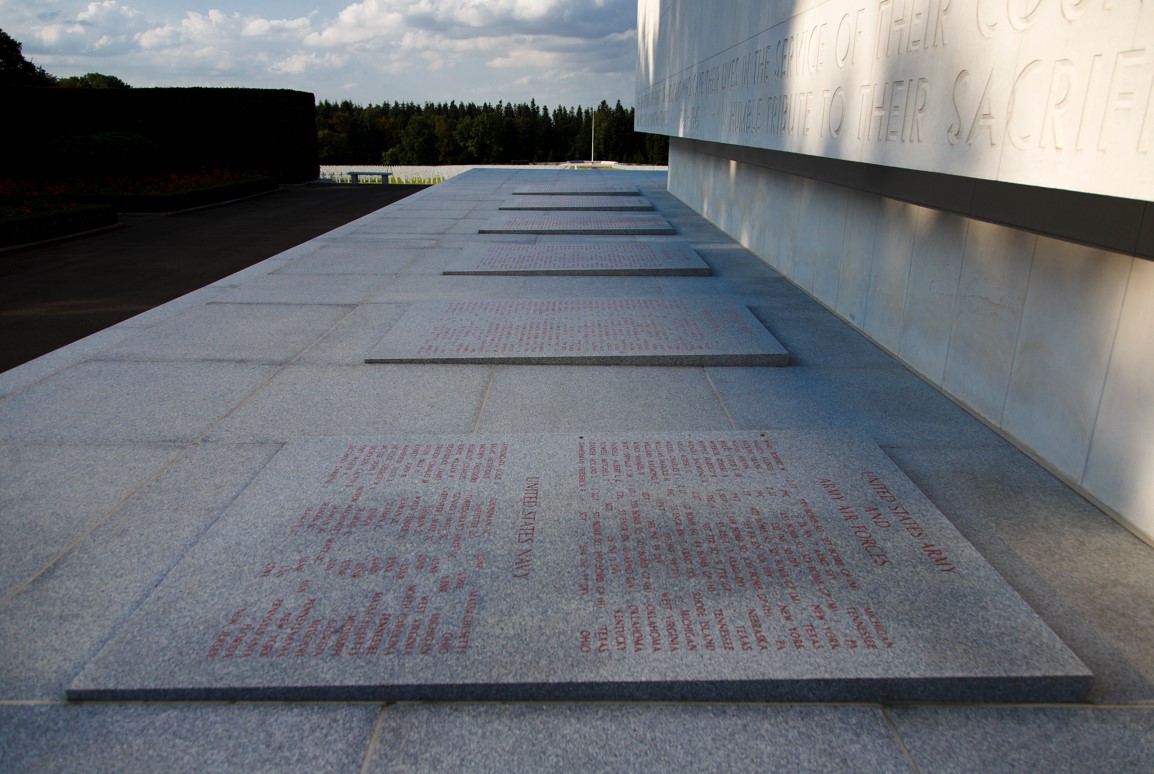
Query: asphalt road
x=54, y=294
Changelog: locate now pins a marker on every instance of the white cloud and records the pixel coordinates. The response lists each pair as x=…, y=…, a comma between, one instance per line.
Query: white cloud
x=159, y=37
x=97, y=13
x=466, y=18
x=370, y=20
x=527, y=57
x=298, y=64
x=100, y=28
x=557, y=51
x=215, y=26
x=255, y=28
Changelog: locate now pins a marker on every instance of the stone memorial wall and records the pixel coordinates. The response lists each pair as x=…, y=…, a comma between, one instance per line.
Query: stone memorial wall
x=1026, y=91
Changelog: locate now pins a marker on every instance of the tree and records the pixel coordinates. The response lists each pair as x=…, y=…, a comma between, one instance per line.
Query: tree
x=15, y=70
x=483, y=138
x=332, y=147
x=444, y=129
x=418, y=143
x=92, y=81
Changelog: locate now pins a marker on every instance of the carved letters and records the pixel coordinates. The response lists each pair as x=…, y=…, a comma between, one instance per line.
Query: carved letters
x=1043, y=92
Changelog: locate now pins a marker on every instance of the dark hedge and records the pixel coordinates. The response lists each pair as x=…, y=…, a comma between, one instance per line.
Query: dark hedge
x=270, y=132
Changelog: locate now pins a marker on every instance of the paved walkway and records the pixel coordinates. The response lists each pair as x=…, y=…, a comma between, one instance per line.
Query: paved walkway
x=118, y=452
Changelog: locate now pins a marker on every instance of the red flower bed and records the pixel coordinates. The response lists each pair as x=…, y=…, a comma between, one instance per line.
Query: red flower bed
x=27, y=197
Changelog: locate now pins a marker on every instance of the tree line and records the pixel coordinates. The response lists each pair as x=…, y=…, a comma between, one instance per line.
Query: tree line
x=407, y=133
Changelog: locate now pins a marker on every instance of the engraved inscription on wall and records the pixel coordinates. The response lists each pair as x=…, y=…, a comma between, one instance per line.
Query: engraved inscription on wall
x=1054, y=93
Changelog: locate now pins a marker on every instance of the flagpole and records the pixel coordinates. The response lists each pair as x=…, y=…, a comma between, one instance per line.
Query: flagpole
x=593, y=139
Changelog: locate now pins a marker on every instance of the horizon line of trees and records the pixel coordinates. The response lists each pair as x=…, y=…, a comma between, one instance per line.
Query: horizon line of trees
x=407, y=133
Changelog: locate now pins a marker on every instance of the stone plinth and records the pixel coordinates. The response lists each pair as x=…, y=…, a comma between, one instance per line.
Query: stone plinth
x=579, y=203
x=579, y=223
x=581, y=331
x=576, y=189
x=753, y=566
x=676, y=259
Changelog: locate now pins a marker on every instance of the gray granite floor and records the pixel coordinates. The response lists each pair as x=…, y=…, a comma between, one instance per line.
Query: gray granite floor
x=119, y=452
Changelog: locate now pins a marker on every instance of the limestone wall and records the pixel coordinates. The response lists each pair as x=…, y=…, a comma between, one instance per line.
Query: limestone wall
x=1049, y=93
x=1047, y=339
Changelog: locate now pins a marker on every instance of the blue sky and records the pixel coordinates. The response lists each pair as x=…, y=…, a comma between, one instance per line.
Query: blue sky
x=568, y=52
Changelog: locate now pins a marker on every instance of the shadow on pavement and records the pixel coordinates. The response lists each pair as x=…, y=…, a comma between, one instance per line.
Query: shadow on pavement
x=54, y=294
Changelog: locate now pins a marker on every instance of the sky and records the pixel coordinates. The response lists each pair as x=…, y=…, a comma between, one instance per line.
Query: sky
x=559, y=52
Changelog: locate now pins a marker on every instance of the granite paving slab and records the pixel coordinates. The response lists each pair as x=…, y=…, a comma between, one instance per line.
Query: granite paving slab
x=578, y=223
x=314, y=289
x=608, y=259
x=129, y=402
x=24, y=376
x=423, y=287
x=575, y=189
x=266, y=333
x=629, y=738
x=85, y=481
x=63, y=617
x=596, y=203
x=326, y=399
x=969, y=739
x=523, y=399
x=753, y=566
x=889, y=403
x=183, y=739
x=580, y=331
x=355, y=258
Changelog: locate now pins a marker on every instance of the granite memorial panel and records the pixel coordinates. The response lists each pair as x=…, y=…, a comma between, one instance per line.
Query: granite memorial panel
x=579, y=203
x=581, y=331
x=576, y=189
x=666, y=258
x=610, y=224
x=772, y=565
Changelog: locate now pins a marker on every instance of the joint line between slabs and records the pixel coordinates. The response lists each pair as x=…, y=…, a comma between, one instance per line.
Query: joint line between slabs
x=374, y=740
x=720, y=400
x=484, y=400
x=148, y=480
x=280, y=369
x=897, y=737
x=160, y=471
